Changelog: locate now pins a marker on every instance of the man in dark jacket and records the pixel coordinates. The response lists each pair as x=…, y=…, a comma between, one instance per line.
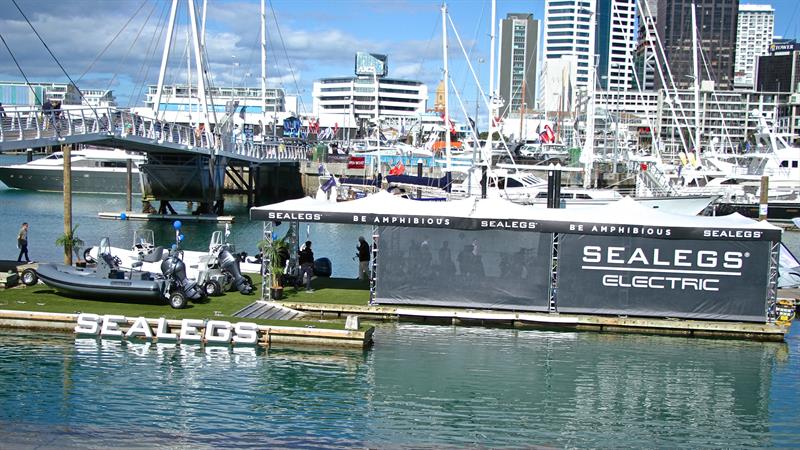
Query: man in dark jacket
x=363, y=258
x=306, y=261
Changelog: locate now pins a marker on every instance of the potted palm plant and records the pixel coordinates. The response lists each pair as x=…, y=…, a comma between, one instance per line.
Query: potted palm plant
x=276, y=250
x=71, y=243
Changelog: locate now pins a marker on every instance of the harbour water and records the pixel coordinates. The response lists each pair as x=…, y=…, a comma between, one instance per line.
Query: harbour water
x=44, y=211
x=419, y=386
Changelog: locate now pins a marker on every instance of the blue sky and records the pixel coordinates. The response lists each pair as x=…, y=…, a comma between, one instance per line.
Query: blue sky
x=319, y=38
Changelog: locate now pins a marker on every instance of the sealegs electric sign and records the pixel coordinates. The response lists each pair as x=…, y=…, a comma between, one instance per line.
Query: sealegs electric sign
x=722, y=280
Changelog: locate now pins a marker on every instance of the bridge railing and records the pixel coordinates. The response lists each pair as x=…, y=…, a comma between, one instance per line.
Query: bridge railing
x=35, y=124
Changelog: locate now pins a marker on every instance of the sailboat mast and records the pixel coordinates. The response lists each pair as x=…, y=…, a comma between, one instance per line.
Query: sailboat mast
x=446, y=87
x=264, y=60
x=696, y=81
x=488, y=149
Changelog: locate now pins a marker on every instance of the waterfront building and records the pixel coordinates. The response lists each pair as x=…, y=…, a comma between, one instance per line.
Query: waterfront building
x=569, y=31
x=180, y=104
x=519, y=39
x=725, y=116
x=716, y=22
x=370, y=94
x=754, y=31
x=19, y=93
x=101, y=98
x=646, y=44
x=614, y=43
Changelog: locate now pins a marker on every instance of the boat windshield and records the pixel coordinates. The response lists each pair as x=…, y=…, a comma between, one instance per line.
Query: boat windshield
x=105, y=246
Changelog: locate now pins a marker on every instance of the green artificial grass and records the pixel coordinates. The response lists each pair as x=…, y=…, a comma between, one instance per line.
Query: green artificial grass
x=334, y=291
x=42, y=298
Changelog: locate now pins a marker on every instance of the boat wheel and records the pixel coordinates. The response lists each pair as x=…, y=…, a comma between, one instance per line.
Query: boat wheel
x=29, y=277
x=212, y=288
x=249, y=282
x=88, y=257
x=177, y=300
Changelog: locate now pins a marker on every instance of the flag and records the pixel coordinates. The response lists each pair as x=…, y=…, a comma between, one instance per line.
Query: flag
x=328, y=184
x=356, y=162
x=241, y=112
x=398, y=169
x=547, y=136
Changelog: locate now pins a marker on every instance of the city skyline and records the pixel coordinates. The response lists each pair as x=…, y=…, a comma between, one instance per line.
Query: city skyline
x=320, y=41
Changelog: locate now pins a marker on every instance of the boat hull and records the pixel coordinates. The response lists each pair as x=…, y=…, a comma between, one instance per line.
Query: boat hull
x=83, y=284
x=83, y=181
x=781, y=212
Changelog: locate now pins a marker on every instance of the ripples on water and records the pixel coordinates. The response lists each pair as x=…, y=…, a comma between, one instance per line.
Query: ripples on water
x=419, y=386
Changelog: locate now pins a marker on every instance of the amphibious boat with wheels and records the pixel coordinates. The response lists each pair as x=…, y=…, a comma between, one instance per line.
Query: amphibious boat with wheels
x=108, y=281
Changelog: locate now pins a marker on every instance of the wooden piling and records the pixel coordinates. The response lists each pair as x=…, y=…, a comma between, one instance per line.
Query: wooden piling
x=129, y=185
x=763, y=203
x=66, y=150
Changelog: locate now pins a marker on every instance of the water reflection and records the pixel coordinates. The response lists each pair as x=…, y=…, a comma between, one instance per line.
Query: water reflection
x=419, y=386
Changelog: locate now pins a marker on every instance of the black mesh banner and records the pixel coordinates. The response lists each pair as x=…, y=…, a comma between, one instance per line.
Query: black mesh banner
x=697, y=279
x=483, y=269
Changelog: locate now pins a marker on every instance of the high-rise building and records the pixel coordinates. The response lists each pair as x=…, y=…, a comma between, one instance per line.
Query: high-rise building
x=569, y=31
x=753, y=37
x=614, y=43
x=519, y=40
x=646, y=47
x=716, y=22
x=779, y=71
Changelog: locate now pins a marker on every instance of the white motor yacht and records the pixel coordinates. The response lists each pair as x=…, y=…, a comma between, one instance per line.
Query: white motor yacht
x=94, y=170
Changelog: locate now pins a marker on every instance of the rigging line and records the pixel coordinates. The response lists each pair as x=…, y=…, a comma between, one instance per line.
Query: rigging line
x=54, y=56
x=148, y=55
x=144, y=2
x=40, y=101
x=286, y=53
x=472, y=48
x=427, y=46
x=133, y=43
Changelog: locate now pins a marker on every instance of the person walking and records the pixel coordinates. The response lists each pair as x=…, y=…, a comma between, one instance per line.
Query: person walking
x=307, y=264
x=47, y=113
x=363, y=258
x=22, y=242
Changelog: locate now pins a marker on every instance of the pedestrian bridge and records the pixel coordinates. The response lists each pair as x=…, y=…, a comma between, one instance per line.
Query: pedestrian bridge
x=119, y=128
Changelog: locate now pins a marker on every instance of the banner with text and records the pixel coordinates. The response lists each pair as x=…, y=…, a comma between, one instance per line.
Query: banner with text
x=697, y=279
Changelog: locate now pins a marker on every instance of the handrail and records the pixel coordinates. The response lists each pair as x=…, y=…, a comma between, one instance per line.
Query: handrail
x=56, y=124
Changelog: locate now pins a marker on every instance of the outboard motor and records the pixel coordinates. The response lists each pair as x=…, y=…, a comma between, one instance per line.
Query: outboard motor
x=229, y=263
x=174, y=269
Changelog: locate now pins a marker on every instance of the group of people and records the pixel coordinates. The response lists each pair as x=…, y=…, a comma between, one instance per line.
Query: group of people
x=306, y=262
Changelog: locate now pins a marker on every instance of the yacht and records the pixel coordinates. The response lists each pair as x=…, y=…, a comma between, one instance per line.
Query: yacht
x=94, y=171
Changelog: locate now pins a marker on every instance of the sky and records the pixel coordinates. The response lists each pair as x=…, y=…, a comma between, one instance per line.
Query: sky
x=117, y=44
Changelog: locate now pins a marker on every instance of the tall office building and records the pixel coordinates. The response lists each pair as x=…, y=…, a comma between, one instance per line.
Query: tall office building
x=646, y=46
x=519, y=39
x=615, y=43
x=569, y=31
x=753, y=37
x=716, y=22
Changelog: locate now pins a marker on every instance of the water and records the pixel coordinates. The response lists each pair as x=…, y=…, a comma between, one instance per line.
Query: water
x=44, y=212
x=420, y=386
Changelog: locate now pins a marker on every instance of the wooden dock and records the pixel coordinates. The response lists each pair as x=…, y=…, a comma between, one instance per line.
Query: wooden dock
x=269, y=311
x=182, y=217
x=573, y=322
x=270, y=335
